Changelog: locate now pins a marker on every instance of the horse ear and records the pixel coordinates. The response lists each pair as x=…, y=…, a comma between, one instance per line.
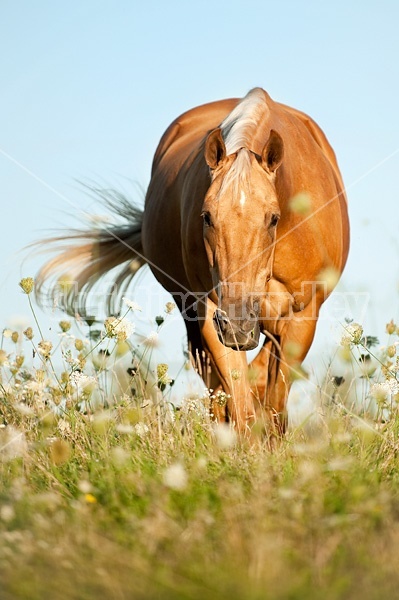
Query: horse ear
x=273, y=152
x=215, y=150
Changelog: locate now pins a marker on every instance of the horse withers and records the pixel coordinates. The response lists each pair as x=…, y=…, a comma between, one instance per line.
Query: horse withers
x=222, y=233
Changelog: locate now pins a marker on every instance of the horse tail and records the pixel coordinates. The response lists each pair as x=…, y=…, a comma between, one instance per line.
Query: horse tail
x=86, y=255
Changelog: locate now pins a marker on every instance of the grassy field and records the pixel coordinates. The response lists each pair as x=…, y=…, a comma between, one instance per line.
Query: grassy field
x=132, y=500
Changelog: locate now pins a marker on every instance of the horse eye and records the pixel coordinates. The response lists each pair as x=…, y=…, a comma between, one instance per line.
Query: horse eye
x=207, y=219
x=274, y=220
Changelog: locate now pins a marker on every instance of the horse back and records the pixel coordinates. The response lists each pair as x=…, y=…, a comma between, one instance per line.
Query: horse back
x=184, y=134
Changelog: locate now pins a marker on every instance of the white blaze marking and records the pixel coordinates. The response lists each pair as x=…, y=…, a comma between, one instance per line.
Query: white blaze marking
x=242, y=198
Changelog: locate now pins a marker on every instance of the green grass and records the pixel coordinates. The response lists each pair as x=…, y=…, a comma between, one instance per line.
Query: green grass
x=126, y=502
x=93, y=517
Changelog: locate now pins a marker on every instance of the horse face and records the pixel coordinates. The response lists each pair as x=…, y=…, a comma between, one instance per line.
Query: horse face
x=240, y=215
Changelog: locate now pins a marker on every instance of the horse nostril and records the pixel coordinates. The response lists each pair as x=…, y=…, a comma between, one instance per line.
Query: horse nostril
x=252, y=315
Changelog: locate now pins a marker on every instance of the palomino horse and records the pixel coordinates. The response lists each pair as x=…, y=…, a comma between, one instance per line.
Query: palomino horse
x=220, y=234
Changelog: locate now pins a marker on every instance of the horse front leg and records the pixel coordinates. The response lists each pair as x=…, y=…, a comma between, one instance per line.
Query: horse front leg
x=278, y=363
x=231, y=369
x=270, y=386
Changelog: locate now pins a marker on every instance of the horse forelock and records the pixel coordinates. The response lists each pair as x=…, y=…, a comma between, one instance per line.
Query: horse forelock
x=238, y=130
x=237, y=179
x=240, y=126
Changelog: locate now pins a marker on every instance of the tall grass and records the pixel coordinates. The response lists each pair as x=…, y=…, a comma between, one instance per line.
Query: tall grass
x=109, y=494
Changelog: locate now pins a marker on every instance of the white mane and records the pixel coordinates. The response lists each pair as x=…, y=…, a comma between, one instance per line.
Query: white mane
x=238, y=127
x=237, y=131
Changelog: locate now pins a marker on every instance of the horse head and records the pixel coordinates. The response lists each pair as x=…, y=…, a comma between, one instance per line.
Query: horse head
x=240, y=215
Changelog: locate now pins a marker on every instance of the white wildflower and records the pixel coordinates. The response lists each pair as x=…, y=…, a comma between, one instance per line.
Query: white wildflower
x=102, y=421
x=82, y=381
x=119, y=456
x=7, y=513
x=202, y=462
x=340, y=463
x=132, y=305
x=194, y=405
x=121, y=329
x=85, y=486
x=175, y=477
x=64, y=427
x=141, y=429
x=384, y=390
x=35, y=386
x=152, y=340
x=353, y=334
x=225, y=435
x=220, y=398
x=124, y=428
x=12, y=443
x=24, y=410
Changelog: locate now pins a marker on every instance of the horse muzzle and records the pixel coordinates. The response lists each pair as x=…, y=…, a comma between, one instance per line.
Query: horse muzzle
x=243, y=335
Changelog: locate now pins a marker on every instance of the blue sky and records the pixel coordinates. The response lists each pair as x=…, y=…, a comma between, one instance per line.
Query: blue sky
x=89, y=87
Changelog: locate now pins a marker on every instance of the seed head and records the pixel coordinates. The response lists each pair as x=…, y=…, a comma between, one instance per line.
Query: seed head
x=27, y=284
x=65, y=326
x=40, y=375
x=169, y=307
x=79, y=345
x=162, y=369
x=60, y=452
x=44, y=348
x=353, y=335
x=81, y=360
x=3, y=358
x=15, y=336
x=19, y=361
x=162, y=374
x=28, y=333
